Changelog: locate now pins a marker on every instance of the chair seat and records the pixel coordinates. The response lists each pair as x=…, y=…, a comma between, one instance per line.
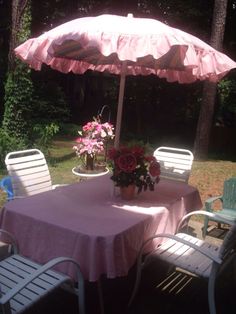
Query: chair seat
x=16, y=268
x=185, y=257
x=191, y=255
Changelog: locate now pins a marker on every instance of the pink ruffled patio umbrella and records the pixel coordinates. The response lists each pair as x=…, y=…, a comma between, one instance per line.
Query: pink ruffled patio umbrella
x=125, y=46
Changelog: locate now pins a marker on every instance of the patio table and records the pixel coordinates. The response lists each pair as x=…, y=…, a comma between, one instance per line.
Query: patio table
x=88, y=222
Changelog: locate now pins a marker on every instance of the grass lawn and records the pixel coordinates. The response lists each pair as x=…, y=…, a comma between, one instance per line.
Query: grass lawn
x=208, y=176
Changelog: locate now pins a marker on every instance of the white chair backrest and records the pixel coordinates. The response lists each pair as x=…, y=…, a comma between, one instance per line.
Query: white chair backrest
x=29, y=172
x=176, y=163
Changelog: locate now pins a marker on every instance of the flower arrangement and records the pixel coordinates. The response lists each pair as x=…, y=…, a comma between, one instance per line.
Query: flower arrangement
x=132, y=166
x=92, y=141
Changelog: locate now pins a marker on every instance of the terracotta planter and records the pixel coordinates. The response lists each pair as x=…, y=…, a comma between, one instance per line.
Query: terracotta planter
x=127, y=192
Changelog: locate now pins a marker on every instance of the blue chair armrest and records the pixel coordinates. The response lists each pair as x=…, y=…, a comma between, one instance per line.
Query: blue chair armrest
x=211, y=200
x=6, y=186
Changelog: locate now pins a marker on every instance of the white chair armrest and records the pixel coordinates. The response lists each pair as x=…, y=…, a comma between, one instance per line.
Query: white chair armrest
x=12, y=240
x=11, y=293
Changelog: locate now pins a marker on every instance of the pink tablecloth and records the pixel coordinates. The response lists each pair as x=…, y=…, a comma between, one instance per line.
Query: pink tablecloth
x=88, y=222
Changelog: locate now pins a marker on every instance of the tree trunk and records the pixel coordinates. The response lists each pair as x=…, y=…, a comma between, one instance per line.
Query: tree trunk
x=201, y=145
x=18, y=86
x=18, y=8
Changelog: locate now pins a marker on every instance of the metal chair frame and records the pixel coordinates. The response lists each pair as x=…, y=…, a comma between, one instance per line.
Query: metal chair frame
x=192, y=255
x=24, y=282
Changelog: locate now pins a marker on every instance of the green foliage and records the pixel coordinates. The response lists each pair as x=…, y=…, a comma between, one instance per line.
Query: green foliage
x=18, y=97
x=25, y=24
x=227, y=107
x=227, y=91
x=49, y=101
x=69, y=129
x=18, y=86
x=8, y=144
x=43, y=135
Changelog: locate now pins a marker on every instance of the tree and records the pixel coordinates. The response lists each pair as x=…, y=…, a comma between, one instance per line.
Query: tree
x=202, y=139
x=18, y=87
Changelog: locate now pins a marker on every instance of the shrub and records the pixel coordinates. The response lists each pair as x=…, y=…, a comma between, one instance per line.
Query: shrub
x=8, y=144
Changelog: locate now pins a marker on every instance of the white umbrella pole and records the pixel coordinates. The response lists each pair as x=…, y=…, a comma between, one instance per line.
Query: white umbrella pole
x=120, y=106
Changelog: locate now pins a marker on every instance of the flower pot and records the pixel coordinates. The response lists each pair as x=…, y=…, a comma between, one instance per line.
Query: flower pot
x=127, y=192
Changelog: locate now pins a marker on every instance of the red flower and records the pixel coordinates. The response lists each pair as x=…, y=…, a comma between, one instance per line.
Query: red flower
x=138, y=151
x=126, y=162
x=131, y=166
x=154, y=169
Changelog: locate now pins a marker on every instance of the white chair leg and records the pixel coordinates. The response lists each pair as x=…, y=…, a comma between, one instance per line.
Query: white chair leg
x=138, y=278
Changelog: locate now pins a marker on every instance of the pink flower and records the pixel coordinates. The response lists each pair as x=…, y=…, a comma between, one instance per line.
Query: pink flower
x=94, y=133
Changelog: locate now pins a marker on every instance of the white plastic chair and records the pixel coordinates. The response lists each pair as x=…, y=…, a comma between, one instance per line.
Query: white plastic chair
x=192, y=255
x=24, y=282
x=176, y=163
x=29, y=172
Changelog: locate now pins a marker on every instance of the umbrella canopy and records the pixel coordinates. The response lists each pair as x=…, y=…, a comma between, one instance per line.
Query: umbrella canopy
x=125, y=46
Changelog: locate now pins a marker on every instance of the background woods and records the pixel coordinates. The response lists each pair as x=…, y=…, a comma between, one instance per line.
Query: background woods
x=170, y=111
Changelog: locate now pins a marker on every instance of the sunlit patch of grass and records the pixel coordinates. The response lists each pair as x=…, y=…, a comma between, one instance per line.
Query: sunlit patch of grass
x=209, y=176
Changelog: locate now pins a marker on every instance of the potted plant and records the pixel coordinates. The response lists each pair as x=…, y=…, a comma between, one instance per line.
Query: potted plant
x=132, y=168
x=93, y=141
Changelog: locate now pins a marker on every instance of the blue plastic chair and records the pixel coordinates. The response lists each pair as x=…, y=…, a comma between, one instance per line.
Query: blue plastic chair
x=6, y=186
